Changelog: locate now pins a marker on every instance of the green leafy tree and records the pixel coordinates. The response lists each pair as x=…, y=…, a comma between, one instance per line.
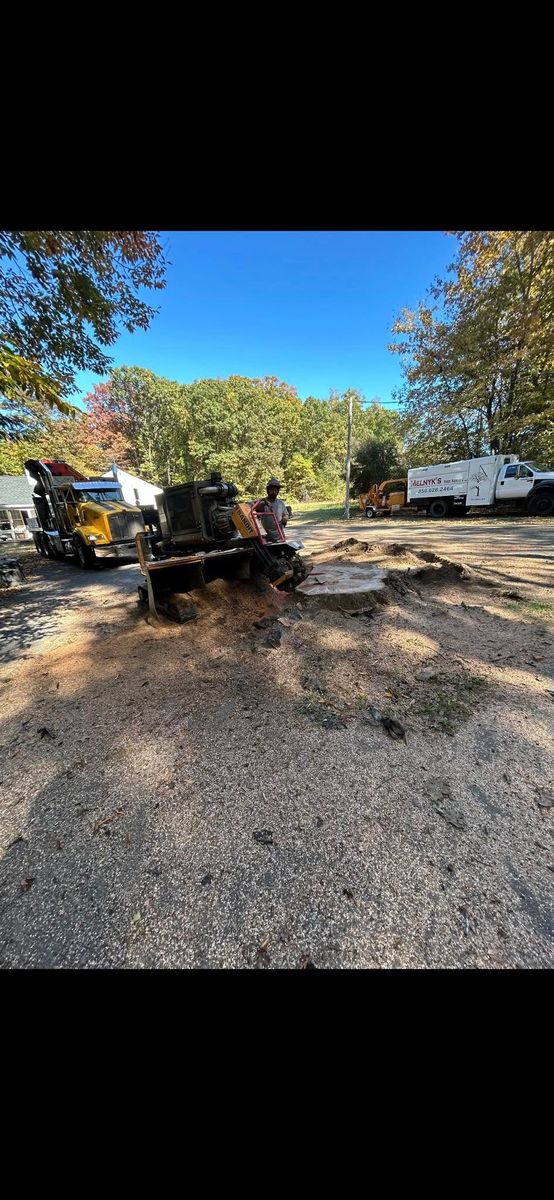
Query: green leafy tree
x=377, y=459
x=149, y=415
x=300, y=477
x=379, y=450
x=64, y=294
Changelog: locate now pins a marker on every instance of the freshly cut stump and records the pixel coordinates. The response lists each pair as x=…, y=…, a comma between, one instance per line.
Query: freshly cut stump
x=345, y=585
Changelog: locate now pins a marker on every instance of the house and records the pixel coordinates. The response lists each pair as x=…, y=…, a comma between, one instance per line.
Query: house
x=16, y=508
x=135, y=490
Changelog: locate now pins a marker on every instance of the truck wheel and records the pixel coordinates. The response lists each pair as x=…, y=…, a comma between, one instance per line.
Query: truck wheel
x=39, y=543
x=370, y=513
x=439, y=508
x=541, y=505
x=84, y=555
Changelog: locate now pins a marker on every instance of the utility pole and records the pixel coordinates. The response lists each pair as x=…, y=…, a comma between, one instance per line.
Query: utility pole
x=348, y=456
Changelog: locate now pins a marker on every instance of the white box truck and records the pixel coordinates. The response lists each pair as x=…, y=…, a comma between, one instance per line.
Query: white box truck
x=446, y=488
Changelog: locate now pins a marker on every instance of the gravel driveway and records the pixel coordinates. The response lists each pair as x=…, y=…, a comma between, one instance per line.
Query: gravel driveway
x=205, y=796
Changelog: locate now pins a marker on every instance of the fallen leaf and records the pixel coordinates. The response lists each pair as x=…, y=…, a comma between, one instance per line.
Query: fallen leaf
x=45, y=732
x=545, y=799
x=306, y=963
x=27, y=883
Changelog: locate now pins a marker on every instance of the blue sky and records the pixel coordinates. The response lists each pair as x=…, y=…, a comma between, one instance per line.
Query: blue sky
x=314, y=308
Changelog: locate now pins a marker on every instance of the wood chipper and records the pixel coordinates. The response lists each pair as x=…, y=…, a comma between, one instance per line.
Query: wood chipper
x=207, y=534
x=383, y=498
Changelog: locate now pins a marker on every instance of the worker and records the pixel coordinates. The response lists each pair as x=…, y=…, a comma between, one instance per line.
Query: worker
x=277, y=506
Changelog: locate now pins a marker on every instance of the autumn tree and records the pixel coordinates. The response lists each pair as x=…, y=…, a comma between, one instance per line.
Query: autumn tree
x=479, y=352
x=43, y=435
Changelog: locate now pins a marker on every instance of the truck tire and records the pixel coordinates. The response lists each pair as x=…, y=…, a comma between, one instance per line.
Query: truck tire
x=439, y=508
x=370, y=512
x=39, y=543
x=541, y=503
x=84, y=555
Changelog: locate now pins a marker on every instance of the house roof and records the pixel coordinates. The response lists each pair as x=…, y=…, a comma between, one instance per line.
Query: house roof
x=15, y=492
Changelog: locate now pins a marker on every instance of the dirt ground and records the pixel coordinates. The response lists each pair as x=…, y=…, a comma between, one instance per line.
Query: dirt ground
x=220, y=794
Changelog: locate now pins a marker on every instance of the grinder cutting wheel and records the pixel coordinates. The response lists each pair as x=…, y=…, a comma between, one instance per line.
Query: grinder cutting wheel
x=206, y=534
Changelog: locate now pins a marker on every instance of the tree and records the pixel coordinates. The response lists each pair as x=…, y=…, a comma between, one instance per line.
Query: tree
x=236, y=428
x=479, y=354
x=300, y=478
x=110, y=428
x=63, y=296
x=140, y=418
x=377, y=459
x=45, y=436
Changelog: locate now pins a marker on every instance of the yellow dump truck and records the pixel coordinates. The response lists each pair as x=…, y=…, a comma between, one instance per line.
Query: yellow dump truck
x=79, y=517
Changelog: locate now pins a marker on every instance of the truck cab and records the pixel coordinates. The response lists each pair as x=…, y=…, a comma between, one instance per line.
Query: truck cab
x=85, y=518
x=526, y=481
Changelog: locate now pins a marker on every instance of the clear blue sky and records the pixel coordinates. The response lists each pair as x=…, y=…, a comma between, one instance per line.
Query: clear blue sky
x=315, y=309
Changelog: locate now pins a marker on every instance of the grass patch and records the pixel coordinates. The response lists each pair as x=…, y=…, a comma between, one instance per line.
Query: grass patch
x=320, y=711
x=447, y=710
x=320, y=510
x=533, y=608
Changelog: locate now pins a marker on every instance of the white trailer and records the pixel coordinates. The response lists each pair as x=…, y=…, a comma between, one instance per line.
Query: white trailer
x=446, y=488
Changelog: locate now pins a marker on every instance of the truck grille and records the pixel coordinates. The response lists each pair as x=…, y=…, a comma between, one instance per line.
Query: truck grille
x=124, y=525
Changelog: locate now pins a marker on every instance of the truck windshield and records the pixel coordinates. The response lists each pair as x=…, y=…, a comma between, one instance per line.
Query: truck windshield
x=99, y=495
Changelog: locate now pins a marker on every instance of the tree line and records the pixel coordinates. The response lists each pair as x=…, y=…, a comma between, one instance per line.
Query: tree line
x=247, y=429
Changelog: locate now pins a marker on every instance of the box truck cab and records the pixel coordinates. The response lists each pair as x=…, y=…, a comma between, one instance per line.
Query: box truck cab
x=446, y=488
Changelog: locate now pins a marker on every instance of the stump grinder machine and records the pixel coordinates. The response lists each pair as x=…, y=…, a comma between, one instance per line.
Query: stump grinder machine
x=205, y=533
